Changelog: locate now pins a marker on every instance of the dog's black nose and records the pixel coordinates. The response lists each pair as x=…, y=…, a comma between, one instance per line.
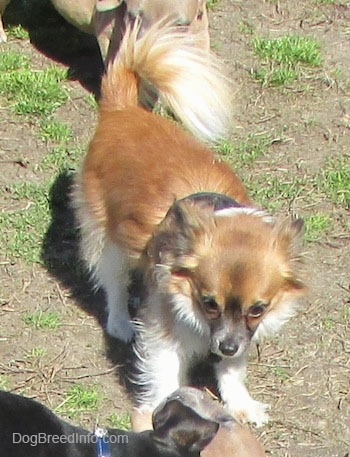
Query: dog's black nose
x=228, y=348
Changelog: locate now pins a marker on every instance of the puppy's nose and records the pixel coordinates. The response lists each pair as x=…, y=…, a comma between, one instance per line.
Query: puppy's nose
x=228, y=348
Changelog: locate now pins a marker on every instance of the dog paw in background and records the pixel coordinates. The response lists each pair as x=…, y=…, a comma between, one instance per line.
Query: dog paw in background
x=3, y=4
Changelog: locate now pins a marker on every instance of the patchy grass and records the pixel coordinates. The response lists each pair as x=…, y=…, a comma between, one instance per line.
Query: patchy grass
x=317, y=225
x=79, y=399
x=121, y=421
x=36, y=94
x=282, y=58
x=13, y=61
x=31, y=92
x=17, y=32
x=4, y=382
x=52, y=130
x=276, y=191
x=328, y=323
x=334, y=180
x=43, y=320
x=36, y=353
x=212, y=4
x=245, y=152
x=62, y=157
x=22, y=230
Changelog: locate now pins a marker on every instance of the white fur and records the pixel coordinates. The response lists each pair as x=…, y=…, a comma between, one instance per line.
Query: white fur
x=274, y=320
x=185, y=313
x=231, y=376
x=163, y=360
x=92, y=234
x=235, y=211
x=113, y=273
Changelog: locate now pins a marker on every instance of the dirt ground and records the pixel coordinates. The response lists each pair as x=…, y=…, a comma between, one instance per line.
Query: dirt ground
x=304, y=373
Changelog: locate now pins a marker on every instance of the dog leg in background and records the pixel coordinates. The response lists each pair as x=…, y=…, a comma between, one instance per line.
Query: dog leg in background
x=158, y=374
x=3, y=4
x=231, y=375
x=114, y=277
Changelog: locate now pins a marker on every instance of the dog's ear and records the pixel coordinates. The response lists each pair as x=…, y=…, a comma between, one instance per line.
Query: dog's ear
x=177, y=425
x=288, y=239
x=177, y=240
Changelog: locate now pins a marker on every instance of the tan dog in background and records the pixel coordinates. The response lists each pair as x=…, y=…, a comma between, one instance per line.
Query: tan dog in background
x=106, y=18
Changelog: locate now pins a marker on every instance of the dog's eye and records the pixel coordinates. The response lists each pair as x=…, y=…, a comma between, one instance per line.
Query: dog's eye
x=211, y=306
x=257, y=310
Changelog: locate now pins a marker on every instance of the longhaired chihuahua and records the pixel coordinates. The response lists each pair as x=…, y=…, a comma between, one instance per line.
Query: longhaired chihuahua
x=218, y=272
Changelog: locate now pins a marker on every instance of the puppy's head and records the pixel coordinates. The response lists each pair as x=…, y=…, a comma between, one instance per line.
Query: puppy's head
x=179, y=425
x=233, y=274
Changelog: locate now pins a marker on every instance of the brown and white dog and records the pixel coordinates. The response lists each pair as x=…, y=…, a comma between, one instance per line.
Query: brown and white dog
x=218, y=272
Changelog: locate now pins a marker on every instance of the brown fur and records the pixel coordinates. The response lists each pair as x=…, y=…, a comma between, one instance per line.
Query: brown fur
x=162, y=163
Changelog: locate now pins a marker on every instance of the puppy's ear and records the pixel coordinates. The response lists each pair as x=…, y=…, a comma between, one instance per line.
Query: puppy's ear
x=288, y=238
x=177, y=241
x=179, y=426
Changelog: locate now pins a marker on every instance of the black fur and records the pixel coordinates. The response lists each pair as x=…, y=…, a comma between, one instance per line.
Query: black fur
x=179, y=432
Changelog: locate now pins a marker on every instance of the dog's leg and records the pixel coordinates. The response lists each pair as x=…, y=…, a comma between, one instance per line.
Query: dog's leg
x=159, y=367
x=113, y=273
x=231, y=375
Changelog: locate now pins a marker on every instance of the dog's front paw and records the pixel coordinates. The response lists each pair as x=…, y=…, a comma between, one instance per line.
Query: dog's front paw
x=254, y=412
x=120, y=328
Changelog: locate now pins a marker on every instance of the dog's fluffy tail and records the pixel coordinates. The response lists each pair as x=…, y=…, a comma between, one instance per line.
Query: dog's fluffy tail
x=189, y=80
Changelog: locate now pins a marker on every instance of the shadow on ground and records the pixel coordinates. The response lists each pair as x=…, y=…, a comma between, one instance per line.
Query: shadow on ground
x=60, y=255
x=58, y=40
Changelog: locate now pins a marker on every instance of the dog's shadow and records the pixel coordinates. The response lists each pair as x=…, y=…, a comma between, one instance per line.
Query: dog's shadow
x=58, y=40
x=61, y=42
x=60, y=254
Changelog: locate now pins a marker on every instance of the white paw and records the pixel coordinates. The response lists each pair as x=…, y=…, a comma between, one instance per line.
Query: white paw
x=253, y=411
x=3, y=37
x=120, y=328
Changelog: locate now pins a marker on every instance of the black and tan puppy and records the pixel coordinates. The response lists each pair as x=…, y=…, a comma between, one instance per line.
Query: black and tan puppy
x=29, y=429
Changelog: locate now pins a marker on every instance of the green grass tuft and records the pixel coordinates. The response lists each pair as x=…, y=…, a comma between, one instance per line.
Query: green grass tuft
x=290, y=50
x=317, y=225
x=36, y=353
x=276, y=77
x=42, y=320
x=79, y=399
x=62, y=157
x=275, y=192
x=59, y=132
x=283, y=57
x=17, y=32
x=36, y=93
x=4, y=382
x=244, y=153
x=13, y=61
x=121, y=421
x=212, y=4
x=22, y=230
x=334, y=180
